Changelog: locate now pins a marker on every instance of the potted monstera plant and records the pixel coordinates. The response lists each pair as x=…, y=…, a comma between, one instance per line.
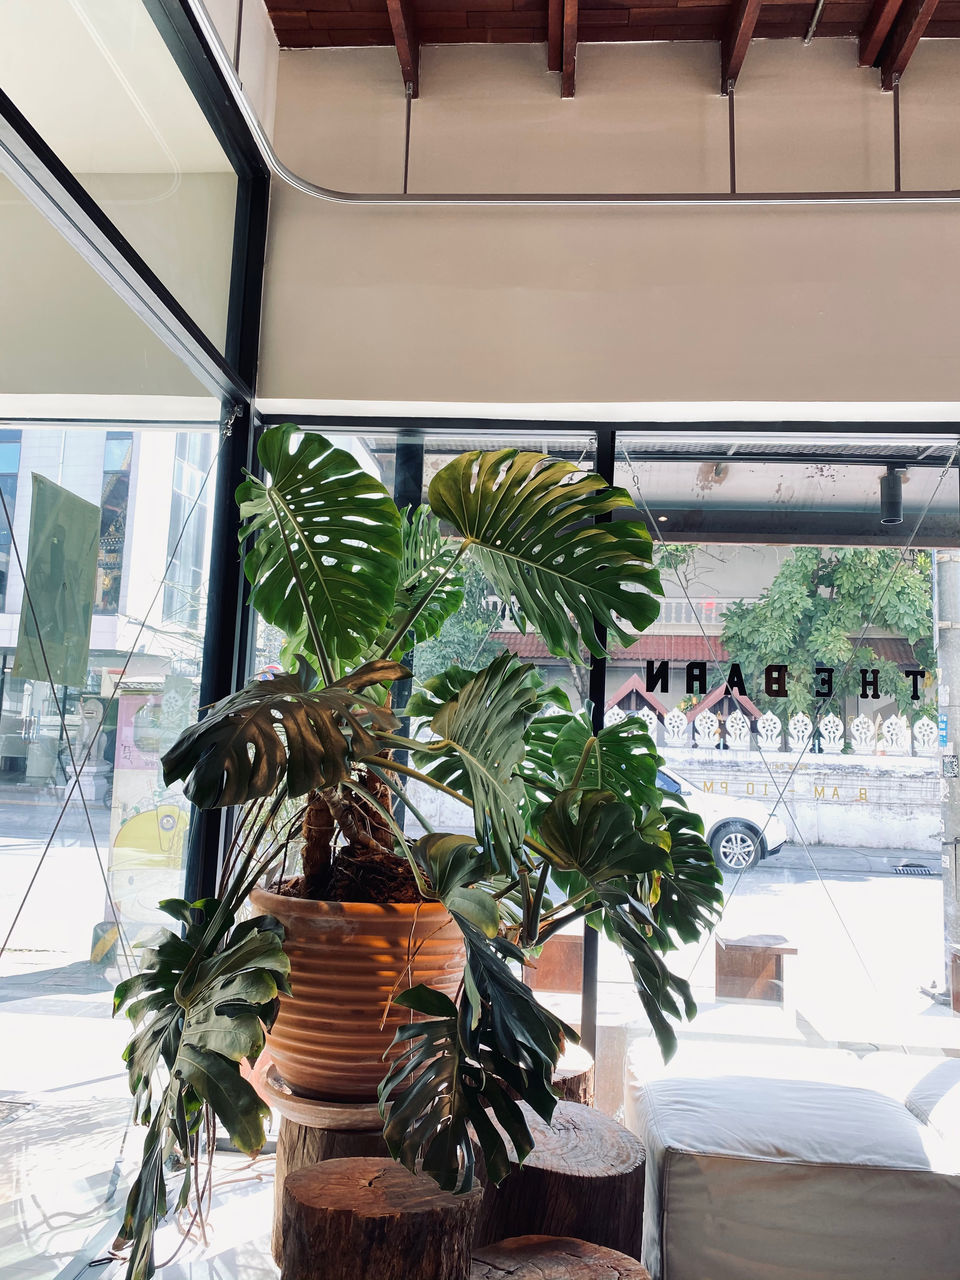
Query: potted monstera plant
x=387, y=957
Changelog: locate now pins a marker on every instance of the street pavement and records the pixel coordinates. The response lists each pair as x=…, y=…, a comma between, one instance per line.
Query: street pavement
x=840, y=861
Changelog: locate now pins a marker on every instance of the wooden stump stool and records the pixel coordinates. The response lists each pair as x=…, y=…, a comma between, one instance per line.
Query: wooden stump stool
x=573, y=1079
x=312, y=1131
x=370, y=1219
x=553, y=1258
x=584, y=1179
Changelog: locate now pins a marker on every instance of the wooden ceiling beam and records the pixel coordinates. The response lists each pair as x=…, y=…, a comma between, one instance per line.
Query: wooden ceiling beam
x=407, y=40
x=736, y=41
x=568, y=70
x=876, y=29
x=898, y=48
x=554, y=35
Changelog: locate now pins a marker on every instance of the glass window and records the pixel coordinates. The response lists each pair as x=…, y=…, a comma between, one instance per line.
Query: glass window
x=791, y=685
x=91, y=409
x=91, y=840
x=117, y=460
x=187, y=544
x=9, y=466
x=98, y=83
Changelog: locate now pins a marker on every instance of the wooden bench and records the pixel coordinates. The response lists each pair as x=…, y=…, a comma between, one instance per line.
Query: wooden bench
x=751, y=968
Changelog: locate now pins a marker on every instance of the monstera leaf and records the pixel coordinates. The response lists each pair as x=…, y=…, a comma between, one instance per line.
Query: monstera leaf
x=326, y=545
x=639, y=893
x=691, y=899
x=594, y=834
x=429, y=591
x=273, y=730
x=662, y=994
x=454, y=864
x=464, y=1061
x=201, y=1004
x=480, y=726
x=533, y=520
x=621, y=758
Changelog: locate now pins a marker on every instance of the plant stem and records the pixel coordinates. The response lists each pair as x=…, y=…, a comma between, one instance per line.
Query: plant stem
x=396, y=740
x=562, y=923
x=538, y=899
x=414, y=613
x=389, y=819
x=401, y=794
x=425, y=777
x=569, y=903
x=584, y=757
x=514, y=884
x=526, y=938
x=536, y=847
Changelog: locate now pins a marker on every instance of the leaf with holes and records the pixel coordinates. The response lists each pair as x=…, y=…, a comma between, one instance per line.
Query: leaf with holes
x=326, y=544
x=594, y=834
x=621, y=758
x=533, y=522
x=691, y=897
x=463, y=1063
x=276, y=730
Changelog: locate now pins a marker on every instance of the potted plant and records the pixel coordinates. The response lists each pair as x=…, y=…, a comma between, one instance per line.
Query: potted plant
x=567, y=824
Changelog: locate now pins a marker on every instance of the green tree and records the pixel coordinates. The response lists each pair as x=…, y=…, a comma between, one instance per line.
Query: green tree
x=464, y=639
x=814, y=612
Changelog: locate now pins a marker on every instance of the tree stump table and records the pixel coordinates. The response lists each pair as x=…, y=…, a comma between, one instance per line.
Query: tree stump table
x=584, y=1178
x=371, y=1219
x=553, y=1258
x=312, y=1131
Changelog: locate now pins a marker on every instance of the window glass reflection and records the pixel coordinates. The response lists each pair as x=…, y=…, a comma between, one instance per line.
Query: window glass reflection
x=91, y=838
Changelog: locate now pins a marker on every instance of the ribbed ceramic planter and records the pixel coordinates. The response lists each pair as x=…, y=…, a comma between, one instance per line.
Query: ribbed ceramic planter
x=347, y=959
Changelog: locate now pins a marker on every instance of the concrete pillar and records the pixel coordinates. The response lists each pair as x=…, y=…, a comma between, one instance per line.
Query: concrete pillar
x=948, y=660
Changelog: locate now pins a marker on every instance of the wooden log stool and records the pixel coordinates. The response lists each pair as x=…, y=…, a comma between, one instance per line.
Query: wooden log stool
x=553, y=1258
x=573, y=1080
x=584, y=1178
x=371, y=1219
x=311, y=1131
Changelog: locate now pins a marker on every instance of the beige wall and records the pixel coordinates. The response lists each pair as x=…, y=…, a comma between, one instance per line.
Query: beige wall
x=63, y=330
x=182, y=225
x=613, y=305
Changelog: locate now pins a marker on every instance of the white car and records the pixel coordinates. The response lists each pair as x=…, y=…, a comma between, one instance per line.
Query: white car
x=740, y=832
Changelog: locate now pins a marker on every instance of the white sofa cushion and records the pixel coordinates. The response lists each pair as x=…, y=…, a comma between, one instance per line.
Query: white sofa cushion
x=780, y=1179
x=928, y=1086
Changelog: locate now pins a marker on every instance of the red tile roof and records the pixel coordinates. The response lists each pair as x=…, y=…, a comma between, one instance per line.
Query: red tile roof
x=683, y=648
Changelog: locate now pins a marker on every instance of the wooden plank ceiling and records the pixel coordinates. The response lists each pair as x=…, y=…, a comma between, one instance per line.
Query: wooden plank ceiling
x=888, y=30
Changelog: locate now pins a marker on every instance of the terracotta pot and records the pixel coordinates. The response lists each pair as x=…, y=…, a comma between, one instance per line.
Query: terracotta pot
x=347, y=959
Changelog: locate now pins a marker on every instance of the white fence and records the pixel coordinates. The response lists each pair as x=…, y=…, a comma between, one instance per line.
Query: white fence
x=865, y=737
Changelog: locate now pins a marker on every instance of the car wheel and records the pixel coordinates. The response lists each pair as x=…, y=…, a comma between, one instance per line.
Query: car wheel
x=736, y=846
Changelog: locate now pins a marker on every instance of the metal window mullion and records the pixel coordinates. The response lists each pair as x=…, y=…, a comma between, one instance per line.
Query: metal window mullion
x=183, y=35
x=606, y=444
